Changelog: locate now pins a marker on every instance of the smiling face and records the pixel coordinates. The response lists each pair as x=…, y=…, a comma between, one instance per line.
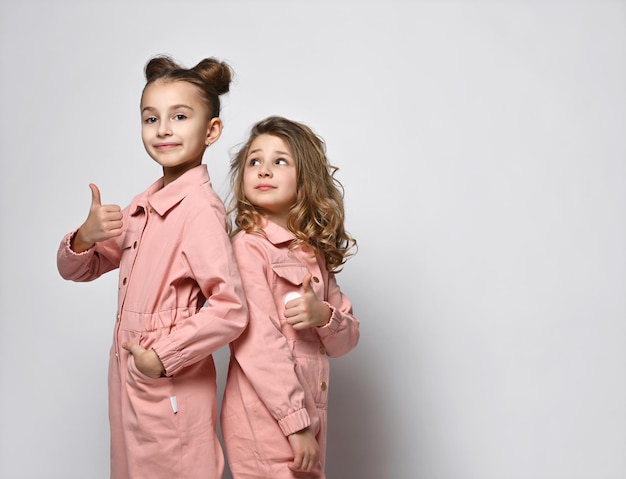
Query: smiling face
x=176, y=127
x=269, y=177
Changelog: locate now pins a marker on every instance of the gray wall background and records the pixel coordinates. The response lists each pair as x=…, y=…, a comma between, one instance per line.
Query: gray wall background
x=482, y=148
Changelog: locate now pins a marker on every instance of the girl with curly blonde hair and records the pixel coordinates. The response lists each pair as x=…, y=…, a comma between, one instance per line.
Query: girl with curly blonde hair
x=289, y=242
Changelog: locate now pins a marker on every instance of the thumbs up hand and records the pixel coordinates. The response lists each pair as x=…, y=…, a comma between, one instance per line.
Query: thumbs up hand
x=307, y=311
x=103, y=222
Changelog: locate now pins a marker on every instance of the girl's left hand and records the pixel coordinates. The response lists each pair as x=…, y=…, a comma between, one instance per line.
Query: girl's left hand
x=146, y=360
x=307, y=311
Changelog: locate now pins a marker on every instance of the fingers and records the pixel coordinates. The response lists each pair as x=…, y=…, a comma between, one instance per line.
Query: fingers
x=95, y=195
x=300, y=464
x=134, y=349
x=96, y=202
x=297, y=324
x=104, y=221
x=296, y=464
x=306, y=310
x=303, y=462
x=291, y=296
x=113, y=223
x=306, y=288
x=146, y=361
x=297, y=305
x=306, y=454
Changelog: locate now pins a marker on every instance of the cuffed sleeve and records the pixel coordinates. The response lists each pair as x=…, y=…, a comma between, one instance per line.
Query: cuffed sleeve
x=341, y=334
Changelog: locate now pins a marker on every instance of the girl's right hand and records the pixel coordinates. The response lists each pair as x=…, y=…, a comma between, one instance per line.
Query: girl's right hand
x=307, y=310
x=103, y=222
x=306, y=451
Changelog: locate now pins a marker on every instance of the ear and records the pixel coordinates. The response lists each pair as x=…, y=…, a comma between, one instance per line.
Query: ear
x=214, y=131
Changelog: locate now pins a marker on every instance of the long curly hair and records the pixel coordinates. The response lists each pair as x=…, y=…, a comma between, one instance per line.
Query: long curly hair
x=317, y=217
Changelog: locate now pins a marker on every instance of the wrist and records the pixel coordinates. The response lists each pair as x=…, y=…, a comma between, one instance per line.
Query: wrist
x=162, y=372
x=78, y=244
x=328, y=314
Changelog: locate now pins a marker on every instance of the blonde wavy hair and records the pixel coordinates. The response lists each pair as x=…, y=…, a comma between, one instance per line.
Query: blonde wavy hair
x=317, y=217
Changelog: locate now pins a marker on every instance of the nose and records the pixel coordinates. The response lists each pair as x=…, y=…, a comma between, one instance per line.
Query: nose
x=264, y=172
x=164, y=128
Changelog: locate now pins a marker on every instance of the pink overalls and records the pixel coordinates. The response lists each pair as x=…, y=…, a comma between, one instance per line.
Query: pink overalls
x=173, y=255
x=278, y=378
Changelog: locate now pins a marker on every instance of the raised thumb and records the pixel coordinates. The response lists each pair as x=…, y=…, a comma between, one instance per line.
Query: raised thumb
x=95, y=195
x=306, y=282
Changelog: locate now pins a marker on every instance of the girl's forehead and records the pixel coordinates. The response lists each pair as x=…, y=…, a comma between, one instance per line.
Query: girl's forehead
x=269, y=142
x=170, y=93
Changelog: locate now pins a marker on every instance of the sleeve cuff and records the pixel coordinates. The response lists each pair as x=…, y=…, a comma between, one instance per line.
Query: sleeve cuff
x=172, y=360
x=332, y=326
x=295, y=422
x=67, y=241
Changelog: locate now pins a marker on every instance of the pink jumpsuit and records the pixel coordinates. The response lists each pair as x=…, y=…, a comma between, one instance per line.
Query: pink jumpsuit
x=173, y=255
x=278, y=378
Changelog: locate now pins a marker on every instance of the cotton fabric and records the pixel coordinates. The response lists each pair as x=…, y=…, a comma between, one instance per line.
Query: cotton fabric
x=278, y=377
x=173, y=255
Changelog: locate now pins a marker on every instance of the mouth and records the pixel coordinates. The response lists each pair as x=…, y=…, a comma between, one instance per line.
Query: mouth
x=265, y=187
x=166, y=146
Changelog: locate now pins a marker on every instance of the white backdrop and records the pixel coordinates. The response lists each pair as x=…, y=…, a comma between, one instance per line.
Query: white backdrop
x=482, y=147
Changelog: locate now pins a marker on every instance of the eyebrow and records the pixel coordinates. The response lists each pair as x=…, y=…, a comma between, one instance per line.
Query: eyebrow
x=173, y=107
x=279, y=152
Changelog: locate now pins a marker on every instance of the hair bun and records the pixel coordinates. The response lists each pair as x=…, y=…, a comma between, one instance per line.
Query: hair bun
x=159, y=65
x=211, y=76
x=215, y=73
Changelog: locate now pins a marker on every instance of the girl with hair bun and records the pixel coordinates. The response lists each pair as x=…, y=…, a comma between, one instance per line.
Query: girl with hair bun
x=290, y=242
x=173, y=252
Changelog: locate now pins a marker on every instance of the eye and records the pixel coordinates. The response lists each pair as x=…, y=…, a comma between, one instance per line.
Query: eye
x=254, y=162
x=180, y=116
x=281, y=161
x=150, y=119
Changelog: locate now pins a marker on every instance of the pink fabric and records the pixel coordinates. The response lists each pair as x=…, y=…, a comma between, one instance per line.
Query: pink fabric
x=278, y=378
x=174, y=253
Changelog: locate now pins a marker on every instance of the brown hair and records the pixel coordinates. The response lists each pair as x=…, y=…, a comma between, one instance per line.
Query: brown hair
x=211, y=76
x=317, y=217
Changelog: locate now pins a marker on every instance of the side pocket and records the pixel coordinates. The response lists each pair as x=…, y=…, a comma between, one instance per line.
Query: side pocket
x=139, y=379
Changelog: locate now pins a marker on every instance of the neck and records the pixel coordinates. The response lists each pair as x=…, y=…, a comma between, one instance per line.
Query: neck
x=279, y=219
x=173, y=173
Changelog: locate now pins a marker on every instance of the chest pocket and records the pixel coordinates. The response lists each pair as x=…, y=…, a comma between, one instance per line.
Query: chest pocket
x=289, y=278
x=290, y=275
